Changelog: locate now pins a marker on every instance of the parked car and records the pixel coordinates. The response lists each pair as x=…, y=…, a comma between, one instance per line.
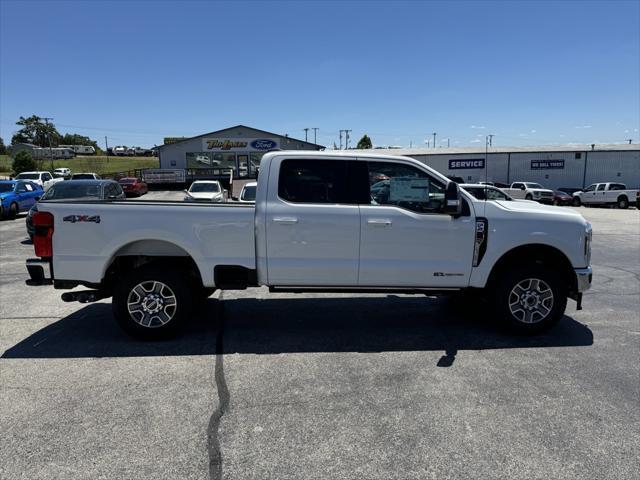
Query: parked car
x=78, y=190
x=18, y=196
x=132, y=186
x=315, y=228
x=562, y=198
x=119, y=151
x=530, y=191
x=62, y=172
x=485, y=192
x=248, y=193
x=44, y=179
x=85, y=176
x=569, y=190
x=205, y=191
x=607, y=194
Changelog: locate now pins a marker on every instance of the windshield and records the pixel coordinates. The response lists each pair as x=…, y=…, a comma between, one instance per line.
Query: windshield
x=6, y=187
x=204, y=187
x=533, y=185
x=63, y=190
x=82, y=176
x=249, y=194
x=28, y=176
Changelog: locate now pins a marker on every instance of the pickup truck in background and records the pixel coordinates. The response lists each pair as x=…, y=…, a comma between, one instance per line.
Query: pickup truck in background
x=529, y=191
x=607, y=194
x=44, y=179
x=317, y=226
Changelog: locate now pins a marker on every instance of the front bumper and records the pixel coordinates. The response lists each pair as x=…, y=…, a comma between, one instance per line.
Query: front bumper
x=584, y=276
x=40, y=272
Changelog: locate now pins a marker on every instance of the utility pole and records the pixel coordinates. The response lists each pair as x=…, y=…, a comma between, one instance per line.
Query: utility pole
x=346, y=139
x=434, y=139
x=106, y=145
x=315, y=132
x=306, y=131
x=490, y=137
x=46, y=121
x=629, y=140
x=448, y=142
x=427, y=142
x=341, y=139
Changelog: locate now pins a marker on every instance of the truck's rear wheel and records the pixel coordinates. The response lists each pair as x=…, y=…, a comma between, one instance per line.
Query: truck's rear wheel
x=152, y=303
x=530, y=299
x=623, y=202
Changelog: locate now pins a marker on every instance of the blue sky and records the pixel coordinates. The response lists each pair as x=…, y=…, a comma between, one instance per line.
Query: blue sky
x=530, y=73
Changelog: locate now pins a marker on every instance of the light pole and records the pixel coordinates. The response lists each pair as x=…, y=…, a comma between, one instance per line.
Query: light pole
x=46, y=121
x=306, y=131
x=315, y=131
x=434, y=139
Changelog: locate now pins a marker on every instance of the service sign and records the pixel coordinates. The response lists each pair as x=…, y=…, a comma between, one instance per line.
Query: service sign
x=547, y=164
x=236, y=144
x=465, y=164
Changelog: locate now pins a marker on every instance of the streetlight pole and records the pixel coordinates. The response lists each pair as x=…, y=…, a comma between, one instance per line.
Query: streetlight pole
x=434, y=139
x=315, y=131
x=106, y=145
x=306, y=131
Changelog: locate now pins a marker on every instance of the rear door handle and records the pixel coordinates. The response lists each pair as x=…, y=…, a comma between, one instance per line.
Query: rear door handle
x=379, y=222
x=285, y=220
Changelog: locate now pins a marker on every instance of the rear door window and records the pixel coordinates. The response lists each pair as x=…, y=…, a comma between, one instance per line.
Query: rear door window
x=313, y=181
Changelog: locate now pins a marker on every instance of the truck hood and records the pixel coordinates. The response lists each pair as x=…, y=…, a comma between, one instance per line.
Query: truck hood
x=541, y=190
x=535, y=207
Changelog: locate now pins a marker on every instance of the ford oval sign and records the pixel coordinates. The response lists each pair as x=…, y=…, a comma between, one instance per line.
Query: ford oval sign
x=263, y=144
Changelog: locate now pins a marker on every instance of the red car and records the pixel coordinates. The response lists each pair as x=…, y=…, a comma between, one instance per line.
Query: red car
x=562, y=198
x=133, y=187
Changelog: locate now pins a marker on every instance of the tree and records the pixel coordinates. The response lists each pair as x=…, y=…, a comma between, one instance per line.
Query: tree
x=3, y=149
x=23, y=162
x=364, y=143
x=34, y=130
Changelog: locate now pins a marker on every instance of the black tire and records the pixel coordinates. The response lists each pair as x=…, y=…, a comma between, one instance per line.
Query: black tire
x=162, y=311
x=530, y=311
x=13, y=211
x=576, y=201
x=528, y=197
x=623, y=202
x=556, y=203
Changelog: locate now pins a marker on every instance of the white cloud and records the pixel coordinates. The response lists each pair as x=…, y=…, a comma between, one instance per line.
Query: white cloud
x=626, y=131
x=475, y=141
x=533, y=131
x=583, y=126
x=523, y=135
x=635, y=129
x=478, y=126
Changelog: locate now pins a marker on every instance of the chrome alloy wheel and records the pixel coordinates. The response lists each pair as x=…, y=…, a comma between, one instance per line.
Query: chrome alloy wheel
x=151, y=304
x=531, y=300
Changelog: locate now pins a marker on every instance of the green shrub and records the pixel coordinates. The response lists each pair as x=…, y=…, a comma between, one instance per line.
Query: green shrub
x=23, y=162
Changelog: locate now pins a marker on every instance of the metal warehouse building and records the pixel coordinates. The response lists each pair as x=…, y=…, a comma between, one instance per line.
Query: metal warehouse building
x=574, y=166
x=239, y=148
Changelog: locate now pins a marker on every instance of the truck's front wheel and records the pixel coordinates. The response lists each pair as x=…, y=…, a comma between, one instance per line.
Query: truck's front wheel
x=530, y=299
x=152, y=303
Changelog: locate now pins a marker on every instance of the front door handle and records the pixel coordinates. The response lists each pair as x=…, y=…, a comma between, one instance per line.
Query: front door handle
x=285, y=220
x=379, y=222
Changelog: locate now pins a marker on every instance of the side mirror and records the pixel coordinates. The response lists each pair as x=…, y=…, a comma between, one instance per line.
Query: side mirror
x=522, y=187
x=452, y=199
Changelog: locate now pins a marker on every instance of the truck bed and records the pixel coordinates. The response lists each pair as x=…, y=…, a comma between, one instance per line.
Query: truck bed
x=88, y=234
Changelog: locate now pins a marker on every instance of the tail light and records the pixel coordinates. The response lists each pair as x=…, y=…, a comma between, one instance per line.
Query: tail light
x=43, y=236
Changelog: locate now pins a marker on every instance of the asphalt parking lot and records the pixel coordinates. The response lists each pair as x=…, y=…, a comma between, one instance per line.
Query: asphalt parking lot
x=324, y=386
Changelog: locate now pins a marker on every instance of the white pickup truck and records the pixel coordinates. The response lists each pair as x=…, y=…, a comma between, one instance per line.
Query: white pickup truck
x=530, y=191
x=607, y=194
x=316, y=226
x=44, y=179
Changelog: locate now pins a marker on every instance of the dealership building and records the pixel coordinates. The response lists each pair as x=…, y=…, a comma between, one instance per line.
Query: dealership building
x=574, y=166
x=238, y=148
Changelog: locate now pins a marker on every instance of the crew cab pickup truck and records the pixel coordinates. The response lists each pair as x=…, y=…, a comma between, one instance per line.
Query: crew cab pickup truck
x=316, y=226
x=44, y=179
x=530, y=191
x=607, y=194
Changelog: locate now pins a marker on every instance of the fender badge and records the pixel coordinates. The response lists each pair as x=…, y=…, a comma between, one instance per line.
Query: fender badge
x=82, y=218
